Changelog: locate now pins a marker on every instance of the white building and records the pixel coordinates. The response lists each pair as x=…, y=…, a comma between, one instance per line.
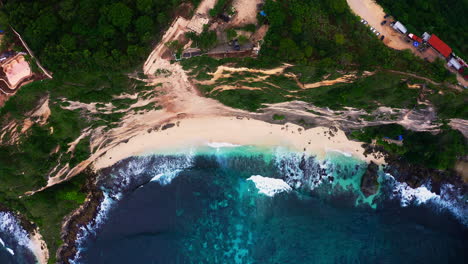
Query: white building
x=400, y=27
x=453, y=62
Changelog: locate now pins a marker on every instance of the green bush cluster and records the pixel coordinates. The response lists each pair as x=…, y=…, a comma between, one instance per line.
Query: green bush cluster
x=437, y=151
x=87, y=33
x=327, y=36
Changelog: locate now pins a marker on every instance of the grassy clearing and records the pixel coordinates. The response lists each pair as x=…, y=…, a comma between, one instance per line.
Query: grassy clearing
x=278, y=117
x=381, y=89
x=450, y=104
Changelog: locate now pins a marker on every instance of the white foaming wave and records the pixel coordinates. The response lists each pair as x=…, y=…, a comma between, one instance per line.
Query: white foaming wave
x=10, y=251
x=269, y=186
x=164, y=175
x=288, y=163
x=300, y=169
x=222, y=145
x=409, y=195
x=1, y=242
x=165, y=178
x=9, y=224
x=450, y=198
x=90, y=228
x=346, y=154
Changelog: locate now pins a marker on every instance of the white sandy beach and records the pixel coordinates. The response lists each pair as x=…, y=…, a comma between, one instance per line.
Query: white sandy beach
x=194, y=132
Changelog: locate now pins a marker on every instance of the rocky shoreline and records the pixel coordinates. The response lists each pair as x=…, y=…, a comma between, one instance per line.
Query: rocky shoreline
x=84, y=215
x=412, y=174
x=37, y=245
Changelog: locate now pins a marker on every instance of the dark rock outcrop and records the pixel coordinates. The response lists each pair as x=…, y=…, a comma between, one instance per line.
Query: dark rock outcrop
x=369, y=183
x=80, y=217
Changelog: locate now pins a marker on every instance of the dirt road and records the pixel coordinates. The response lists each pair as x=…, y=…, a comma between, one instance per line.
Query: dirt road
x=374, y=14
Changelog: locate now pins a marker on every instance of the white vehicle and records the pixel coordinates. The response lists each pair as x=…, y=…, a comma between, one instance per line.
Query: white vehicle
x=364, y=21
x=372, y=29
x=377, y=33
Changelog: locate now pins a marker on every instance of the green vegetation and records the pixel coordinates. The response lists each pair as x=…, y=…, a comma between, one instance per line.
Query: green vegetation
x=438, y=151
x=89, y=34
x=90, y=46
x=205, y=41
x=231, y=33
x=367, y=93
x=447, y=19
x=219, y=7
x=450, y=103
x=328, y=37
x=249, y=28
x=48, y=208
x=278, y=117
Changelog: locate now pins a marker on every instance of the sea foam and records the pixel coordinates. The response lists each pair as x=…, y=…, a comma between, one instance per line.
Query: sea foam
x=10, y=251
x=10, y=226
x=165, y=170
x=269, y=186
x=222, y=145
x=450, y=198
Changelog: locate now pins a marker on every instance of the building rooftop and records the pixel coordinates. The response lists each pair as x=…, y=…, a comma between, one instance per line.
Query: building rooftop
x=440, y=46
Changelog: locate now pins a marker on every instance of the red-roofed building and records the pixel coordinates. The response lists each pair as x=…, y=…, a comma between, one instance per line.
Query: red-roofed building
x=415, y=38
x=440, y=46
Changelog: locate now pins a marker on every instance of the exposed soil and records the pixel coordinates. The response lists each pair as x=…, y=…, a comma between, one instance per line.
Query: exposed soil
x=246, y=12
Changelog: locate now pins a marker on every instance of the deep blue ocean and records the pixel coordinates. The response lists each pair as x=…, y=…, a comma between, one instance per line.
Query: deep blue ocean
x=204, y=209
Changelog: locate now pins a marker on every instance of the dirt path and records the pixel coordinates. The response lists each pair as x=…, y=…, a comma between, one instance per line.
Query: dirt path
x=176, y=31
x=221, y=73
x=455, y=87
x=348, y=78
x=374, y=14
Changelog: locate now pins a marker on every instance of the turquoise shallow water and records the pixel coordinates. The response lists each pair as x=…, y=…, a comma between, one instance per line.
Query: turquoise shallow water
x=208, y=212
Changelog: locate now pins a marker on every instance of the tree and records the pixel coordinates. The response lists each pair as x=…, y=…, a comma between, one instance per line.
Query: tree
x=243, y=39
x=120, y=16
x=339, y=39
x=231, y=34
x=144, y=6
x=144, y=24
x=308, y=51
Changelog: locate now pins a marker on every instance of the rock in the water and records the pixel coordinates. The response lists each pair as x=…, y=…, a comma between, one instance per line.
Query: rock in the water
x=369, y=183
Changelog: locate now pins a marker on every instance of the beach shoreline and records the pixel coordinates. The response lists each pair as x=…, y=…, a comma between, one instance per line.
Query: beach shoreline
x=191, y=133
x=39, y=247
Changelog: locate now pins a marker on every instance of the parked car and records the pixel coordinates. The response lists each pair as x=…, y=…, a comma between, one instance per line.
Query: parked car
x=377, y=33
x=382, y=37
x=383, y=22
x=364, y=21
x=372, y=29
x=386, y=15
